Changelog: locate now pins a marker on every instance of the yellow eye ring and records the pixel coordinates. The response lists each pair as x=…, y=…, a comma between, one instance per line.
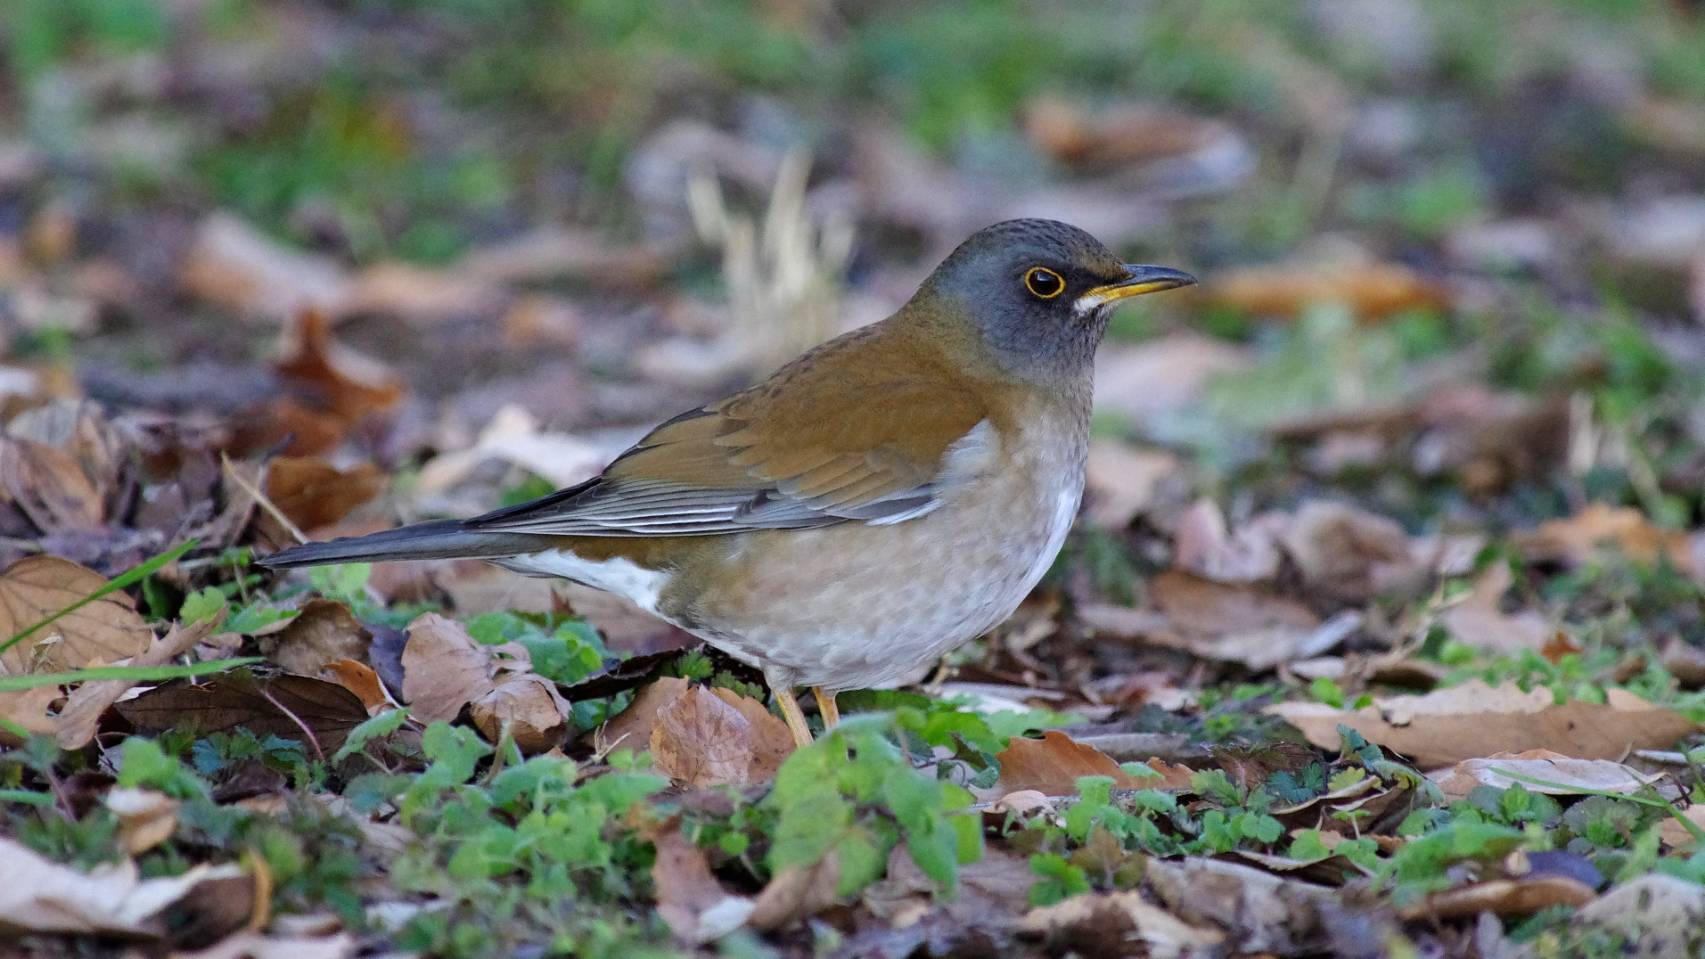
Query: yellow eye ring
x=1043, y=283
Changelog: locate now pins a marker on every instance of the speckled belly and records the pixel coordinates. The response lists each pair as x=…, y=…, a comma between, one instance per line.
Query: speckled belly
x=853, y=606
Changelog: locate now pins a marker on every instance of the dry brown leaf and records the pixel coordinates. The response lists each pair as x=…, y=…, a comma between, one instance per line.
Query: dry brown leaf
x=529, y=707
x=1352, y=555
x=1226, y=622
x=145, y=818
x=556, y=252
x=341, y=381
x=703, y=739
x=27, y=710
x=1089, y=922
x=631, y=728
x=234, y=265
x=1122, y=481
x=443, y=669
x=49, y=487
x=1052, y=765
x=256, y=945
x=419, y=293
x=1598, y=527
x=1502, y=897
x=1656, y=916
x=313, y=493
x=696, y=907
x=1677, y=836
x=1370, y=290
x=1203, y=544
x=1121, y=135
x=1261, y=911
x=40, y=896
x=77, y=722
x=797, y=892
x=312, y=711
x=324, y=632
x=1474, y=720
x=360, y=679
x=104, y=631
x=772, y=743
x=1162, y=375
x=1479, y=620
x=1572, y=777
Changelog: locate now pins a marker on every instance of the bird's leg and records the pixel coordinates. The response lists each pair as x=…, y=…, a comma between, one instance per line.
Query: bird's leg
x=791, y=712
x=826, y=706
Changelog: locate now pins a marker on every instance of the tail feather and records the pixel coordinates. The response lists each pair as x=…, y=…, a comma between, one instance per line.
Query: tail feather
x=439, y=539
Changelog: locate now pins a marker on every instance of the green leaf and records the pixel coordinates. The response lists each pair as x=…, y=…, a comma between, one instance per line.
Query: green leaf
x=204, y=603
x=375, y=727
x=1057, y=879
x=454, y=750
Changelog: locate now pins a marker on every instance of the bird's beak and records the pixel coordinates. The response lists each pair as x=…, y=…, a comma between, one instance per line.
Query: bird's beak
x=1139, y=279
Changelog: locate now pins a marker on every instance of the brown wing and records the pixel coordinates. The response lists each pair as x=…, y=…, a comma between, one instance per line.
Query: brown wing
x=823, y=441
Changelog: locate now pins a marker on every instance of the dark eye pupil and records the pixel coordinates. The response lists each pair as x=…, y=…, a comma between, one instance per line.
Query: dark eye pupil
x=1044, y=282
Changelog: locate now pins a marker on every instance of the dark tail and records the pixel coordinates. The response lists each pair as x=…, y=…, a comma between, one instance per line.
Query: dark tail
x=440, y=539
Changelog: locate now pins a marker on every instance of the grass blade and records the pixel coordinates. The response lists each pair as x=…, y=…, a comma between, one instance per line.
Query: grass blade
x=139, y=674
x=125, y=579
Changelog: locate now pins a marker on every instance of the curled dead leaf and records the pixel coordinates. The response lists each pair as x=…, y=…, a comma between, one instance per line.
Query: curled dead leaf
x=1502, y=897
x=528, y=707
x=1090, y=921
x=146, y=818
x=313, y=493
x=443, y=668
x=323, y=632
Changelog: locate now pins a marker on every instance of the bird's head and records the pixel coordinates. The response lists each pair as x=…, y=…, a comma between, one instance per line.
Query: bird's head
x=1036, y=294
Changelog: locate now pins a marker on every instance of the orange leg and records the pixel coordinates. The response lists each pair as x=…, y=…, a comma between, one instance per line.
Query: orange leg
x=826, y=706
x=795, y=717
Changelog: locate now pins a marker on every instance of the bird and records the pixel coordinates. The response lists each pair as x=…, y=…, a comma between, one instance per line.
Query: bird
x=875, y=503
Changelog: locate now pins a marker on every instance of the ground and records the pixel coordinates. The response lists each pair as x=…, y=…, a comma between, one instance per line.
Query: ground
x=1382, y=631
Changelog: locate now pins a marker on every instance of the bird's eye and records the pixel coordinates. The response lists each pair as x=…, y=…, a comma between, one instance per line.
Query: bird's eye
x=1043, y=283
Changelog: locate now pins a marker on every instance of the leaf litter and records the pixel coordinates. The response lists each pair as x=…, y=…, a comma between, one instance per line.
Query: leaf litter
x=1379, y=631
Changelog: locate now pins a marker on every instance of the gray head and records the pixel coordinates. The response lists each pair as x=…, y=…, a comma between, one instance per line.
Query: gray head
x=1038, y=292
